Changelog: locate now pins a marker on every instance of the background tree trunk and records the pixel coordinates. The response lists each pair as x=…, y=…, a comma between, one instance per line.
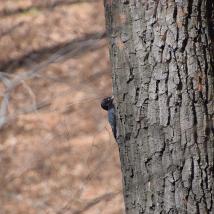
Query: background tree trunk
x=162, y=59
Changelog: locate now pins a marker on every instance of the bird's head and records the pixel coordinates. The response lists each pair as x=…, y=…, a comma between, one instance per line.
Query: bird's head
x=107, y=103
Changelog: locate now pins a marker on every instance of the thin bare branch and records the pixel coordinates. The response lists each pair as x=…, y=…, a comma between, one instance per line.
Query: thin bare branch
x=71, y=50
x=105, y=197
x=41, y=7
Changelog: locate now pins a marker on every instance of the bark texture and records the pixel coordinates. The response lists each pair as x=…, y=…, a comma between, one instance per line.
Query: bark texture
x=162, y=55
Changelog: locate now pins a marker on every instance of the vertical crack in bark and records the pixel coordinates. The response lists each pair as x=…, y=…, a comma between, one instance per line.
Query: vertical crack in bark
x=210, y=18
x=178, y=147
x=189, y=7
x=157, y=89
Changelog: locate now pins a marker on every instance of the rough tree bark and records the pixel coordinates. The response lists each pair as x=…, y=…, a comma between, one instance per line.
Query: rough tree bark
x=162, y=55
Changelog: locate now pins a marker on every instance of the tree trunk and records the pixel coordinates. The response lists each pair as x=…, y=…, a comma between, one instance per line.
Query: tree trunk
x=162, y=55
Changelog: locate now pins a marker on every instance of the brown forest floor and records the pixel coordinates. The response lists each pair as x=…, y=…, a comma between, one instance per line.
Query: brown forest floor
x=57, y=153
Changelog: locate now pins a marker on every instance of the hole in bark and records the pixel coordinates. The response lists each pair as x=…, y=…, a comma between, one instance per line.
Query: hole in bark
x=179, y=86
x=128, y=136
x=207, y=131
x=132, y=173
x=157, y=83
x=126, y=2
x=124, y=96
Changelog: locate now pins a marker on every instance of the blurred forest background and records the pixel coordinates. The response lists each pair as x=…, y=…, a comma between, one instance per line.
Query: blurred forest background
x=57, y=153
